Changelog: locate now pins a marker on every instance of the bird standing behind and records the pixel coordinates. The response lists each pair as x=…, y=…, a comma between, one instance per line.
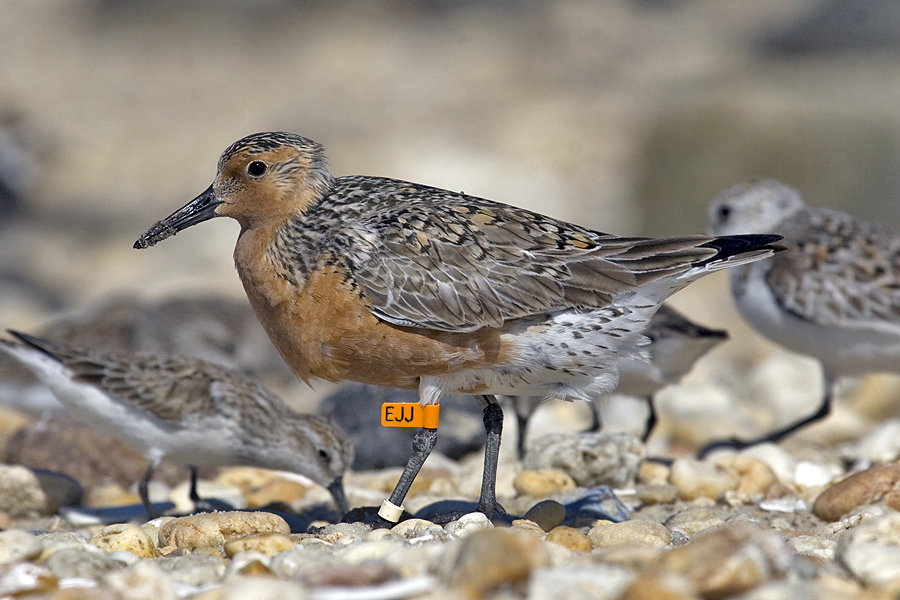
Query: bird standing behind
x=834, y=294
x=189, y=411
x=403, y=285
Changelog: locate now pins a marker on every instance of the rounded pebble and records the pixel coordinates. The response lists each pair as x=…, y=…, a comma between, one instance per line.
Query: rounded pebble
x=211, y=530
x=591, y=459
x=123, y=536
x=541, y=483
x=17, y=545
x=489, y=559
x=657, y=493
x=880, y=483
x=605, y=534
x=569, y=538
x=411, y=528
x=21, y=494
x=729, y=561
x=263, y=543
x=755, y=476
x=871, y=550
x=693, y=520
x=547, y=514
x=144, y=579
x=701, y=479
x=469, y=524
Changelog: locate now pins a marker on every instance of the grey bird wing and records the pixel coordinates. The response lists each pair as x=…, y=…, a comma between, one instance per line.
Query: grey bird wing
x=839, y=271
x=451, y=262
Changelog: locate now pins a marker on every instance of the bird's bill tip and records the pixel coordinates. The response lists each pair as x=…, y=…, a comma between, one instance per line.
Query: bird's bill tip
x=336, y=488
x=202, y=208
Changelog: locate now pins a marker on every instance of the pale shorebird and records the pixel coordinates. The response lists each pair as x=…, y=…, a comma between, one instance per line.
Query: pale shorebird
x=676, y=343
x=403, y=285
x=834, y=294
x=188, y=411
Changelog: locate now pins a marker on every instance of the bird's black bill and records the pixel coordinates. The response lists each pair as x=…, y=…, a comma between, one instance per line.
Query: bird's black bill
x=202, y=208
x=337, y=491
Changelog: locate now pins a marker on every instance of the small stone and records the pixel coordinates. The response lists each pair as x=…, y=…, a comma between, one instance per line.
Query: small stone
x=411, y=528
x=123, y=536
x=656, y=493
x=264, y=543
x=569, y=538
x=341, y=533
x=880, y=483
x=693, y=520
x=591, y=459
x=469, y=524
x=605, y=534
x=529, y=527
x=17, y=545
x=489, y=559
x=579, y=581
x=729, y=561
x=755, y=476
x=21, y=494
x=211, y=530
x=88, y=562
x=547, y=514
x=695, y=479
x=144, y=579
x=195, y=569
x=59, y=489
x=541, y=483
x=660, y=586
x=598, y=503
x=244, y=587
x=871, y=550
x=814, y=545
x=25, y=579
x=653, y=473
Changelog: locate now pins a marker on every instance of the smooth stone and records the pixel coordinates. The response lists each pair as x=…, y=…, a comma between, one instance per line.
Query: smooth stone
x=693, y=520
x=598, y=503
x=729, y=560
x=62, y=540
x=246, y=587
x=695, y=479
x=261, y=487
x=210, y=530
x=656, y=493
x=881, y=445
x=570, y=538
x=871, y=550
x=547, y=514
x=21, y=494
x=591, y=459
x=59, y=489
x=541, y=483
x=144, y=580
x=880, y=483
x=248, y=563
x=755, y=476
x=487, y=560
x=529, y=527
x=597, y=580
x=23, y=579
x=653, y=473
x=195, y=569
x=660, y=586
x=82, y=563
x=18, y=545
x=814, y=545
x=342, y=533
x=605, y=534
x=468, y=524
x=411, y=528
x=267, y=544
x=123, y=536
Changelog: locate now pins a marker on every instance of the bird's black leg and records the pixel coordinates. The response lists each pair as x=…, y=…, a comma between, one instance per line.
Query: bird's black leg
x=651, y=420
x=144, y=493
x=493, y=427
x=423, y=444
x=780, y=434
x=523, y=414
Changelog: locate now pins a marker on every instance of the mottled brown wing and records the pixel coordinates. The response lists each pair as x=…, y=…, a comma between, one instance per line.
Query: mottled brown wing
x=838, y=271
x=458, y=264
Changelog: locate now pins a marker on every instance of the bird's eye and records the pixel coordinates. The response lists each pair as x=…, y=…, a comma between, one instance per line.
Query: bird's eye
x=324, y=456
x=256, y=168
x=724, y=211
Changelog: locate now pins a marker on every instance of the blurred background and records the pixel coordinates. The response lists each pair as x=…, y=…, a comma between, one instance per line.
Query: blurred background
x=627, y=116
